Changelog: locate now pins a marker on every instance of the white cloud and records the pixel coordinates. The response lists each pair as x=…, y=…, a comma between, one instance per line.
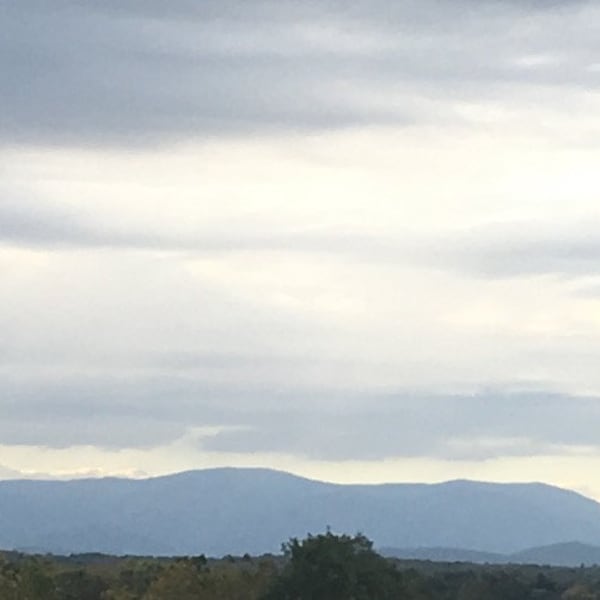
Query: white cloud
x=287, y=229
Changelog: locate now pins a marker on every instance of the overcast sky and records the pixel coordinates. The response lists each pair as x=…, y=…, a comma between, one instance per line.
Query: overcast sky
x=356, y=240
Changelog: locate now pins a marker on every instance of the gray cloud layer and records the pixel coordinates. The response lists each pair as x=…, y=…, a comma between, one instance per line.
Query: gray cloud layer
x=133, y=73
x=118, y=351
x=147, y=411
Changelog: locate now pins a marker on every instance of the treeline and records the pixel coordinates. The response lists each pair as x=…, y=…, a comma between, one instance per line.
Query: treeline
x=322, y=567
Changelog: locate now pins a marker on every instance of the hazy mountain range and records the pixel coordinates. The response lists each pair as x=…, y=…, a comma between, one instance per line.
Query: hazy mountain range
x=568, y=554
x=233, y=511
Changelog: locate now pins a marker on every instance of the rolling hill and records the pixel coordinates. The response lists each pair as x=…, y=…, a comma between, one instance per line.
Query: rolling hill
x=233, y=511
x=567, y=554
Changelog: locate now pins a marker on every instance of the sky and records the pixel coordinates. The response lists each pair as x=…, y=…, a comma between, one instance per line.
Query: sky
x=355, y=240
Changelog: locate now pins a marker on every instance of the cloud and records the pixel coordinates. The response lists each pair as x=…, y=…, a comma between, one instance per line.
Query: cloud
x=47, y=225
x=134, y=74
x=148, y=411
x=492, y=251
x=525, y=249
x=40, y=224
x=268, y=292
x=130, y=351
x=487, y=424
x=8, y=473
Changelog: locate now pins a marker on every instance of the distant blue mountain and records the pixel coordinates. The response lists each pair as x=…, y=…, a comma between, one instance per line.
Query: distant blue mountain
x=568, y=554
x=233, y=511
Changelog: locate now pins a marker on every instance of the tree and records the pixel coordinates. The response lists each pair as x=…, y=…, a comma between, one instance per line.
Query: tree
x=79, y=585
x=332, y=567
x=35, y=581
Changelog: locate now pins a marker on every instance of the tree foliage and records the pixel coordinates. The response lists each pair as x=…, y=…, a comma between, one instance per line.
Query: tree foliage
x=332, y=567
x=324, y=566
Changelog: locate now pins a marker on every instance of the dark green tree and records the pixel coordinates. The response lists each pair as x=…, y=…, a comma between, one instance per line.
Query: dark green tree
x=332, y=567
x=35, y=581
x=79, y=585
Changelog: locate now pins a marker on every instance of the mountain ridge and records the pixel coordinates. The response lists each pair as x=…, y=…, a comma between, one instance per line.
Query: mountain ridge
x=282, y=472
x=232, y=511
x=566, y=554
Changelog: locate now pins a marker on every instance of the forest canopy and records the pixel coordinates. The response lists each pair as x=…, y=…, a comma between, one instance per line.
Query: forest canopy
x=326, y=566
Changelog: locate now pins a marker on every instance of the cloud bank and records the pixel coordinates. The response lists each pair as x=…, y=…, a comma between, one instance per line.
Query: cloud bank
x=337, y=231
x=137, y=74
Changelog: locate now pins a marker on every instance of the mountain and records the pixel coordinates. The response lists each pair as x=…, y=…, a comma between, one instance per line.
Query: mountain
x=233, y=511
x=568, y=554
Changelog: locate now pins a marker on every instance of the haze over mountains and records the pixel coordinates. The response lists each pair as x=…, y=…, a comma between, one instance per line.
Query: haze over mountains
x=234, y=511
